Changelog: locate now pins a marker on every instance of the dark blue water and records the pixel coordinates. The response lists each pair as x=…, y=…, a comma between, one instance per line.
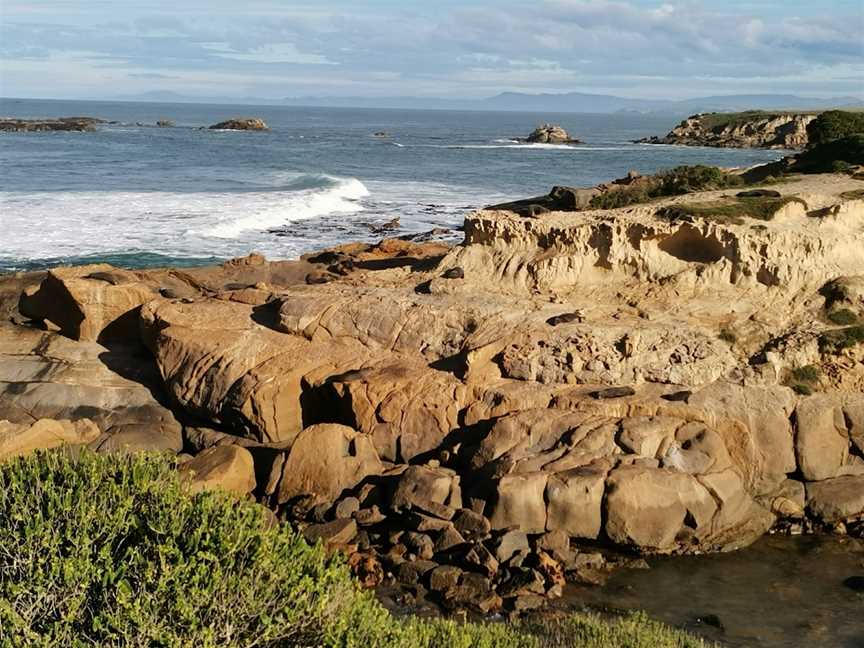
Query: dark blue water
x=139, y=195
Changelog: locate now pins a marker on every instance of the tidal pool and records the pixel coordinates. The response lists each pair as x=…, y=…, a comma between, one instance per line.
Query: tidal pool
x=781, y=592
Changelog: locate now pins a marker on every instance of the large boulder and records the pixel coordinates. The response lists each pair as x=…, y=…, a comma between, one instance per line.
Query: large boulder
x=324, y=460
x=91, y=302
x=46, y=375
x=19, y=439
x=228, y=468
x=222, y=365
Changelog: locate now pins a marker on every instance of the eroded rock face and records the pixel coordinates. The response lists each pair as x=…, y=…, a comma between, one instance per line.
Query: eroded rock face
x=781, y=131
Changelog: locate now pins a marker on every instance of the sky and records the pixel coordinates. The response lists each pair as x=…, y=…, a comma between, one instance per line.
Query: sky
x=430, y=48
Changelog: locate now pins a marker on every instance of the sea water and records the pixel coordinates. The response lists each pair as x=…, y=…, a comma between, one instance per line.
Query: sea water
x=136, y=195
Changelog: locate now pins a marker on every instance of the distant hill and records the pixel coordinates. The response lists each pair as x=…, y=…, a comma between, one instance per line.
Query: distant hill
x=569, y=102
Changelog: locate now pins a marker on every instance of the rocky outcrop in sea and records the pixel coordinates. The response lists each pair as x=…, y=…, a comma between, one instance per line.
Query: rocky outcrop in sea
x=86, y=124
x=241, y=123
x=550, y=134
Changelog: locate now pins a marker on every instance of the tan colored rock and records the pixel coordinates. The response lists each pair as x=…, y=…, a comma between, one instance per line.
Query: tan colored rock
x=17, y=440
x=93, y=302
x=834, y=500
x=520, y=502
x=574, y=501
x=407, y=408
x=656, y=509
x=229, y=468
x=326, y=459
x=822, y=442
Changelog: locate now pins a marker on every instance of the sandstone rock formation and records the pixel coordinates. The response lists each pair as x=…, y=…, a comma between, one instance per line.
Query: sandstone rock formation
x=241, y=123
x=740, y=130
x=477, y=420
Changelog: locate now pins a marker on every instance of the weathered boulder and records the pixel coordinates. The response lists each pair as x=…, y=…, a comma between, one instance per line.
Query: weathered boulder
x=520, y=502
x=408, y=409
x=92, y=302
x=822, y=442
x=229, y=468
x=575, y=500
x=324, y=460
x=837, y=499
x=656, y=509
x=19, y=439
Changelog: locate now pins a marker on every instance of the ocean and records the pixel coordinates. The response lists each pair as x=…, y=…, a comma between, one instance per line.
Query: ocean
x=137, y=196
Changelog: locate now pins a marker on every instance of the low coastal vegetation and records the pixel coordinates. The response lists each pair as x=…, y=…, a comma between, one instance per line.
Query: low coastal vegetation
x=112, y=550
x=731, y=210
x=674, y=182
x=718, y=120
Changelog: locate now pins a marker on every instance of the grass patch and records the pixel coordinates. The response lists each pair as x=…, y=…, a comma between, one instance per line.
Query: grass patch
x=730, y=210
x=112, y=551
x=674, y=182
x=842, y=317
x=840, y=339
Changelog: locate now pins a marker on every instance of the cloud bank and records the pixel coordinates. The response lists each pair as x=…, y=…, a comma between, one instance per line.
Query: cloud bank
x=274, y=49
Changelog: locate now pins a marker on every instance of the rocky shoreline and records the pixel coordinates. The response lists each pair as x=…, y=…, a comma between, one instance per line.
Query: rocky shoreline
x=549, y=400
x=739, y=130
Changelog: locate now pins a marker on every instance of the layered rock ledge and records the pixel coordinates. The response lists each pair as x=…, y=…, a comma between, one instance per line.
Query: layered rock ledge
x=477, y=421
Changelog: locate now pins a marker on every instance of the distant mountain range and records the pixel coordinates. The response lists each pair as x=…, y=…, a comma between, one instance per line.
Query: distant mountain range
x=570, y=102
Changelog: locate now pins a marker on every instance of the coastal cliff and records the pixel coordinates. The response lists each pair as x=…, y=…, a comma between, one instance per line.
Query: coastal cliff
x=740, y=130
x=675, y=376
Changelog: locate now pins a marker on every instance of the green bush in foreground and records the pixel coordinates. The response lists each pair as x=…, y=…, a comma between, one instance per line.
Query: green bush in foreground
x=110, y=551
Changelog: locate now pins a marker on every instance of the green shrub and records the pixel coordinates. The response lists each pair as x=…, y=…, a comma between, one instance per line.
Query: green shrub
x=802, y=389
x=806, y=374
x=834, y=124
x=833, y=156
x=111, y=551
x=842, y=317
x=674, y=182
x=840, y=339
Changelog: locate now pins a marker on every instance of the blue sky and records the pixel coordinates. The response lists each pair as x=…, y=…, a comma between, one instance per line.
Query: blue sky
x=434, y=48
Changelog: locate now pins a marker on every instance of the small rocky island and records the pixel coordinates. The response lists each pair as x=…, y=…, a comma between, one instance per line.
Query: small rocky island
x=753, y=129
x=550, y=134
x=81, y=124
x=242, y=123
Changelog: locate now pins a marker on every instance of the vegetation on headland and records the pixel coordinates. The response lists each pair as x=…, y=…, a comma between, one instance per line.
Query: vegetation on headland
x=674, y=182
x=833, y=125
x=723, y=119
x=730, y=210
x=111, y=550
x=833, y=156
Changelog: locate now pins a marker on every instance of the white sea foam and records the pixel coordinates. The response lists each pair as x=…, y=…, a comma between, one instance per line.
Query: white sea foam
x=340, y=198
x=71, y=223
